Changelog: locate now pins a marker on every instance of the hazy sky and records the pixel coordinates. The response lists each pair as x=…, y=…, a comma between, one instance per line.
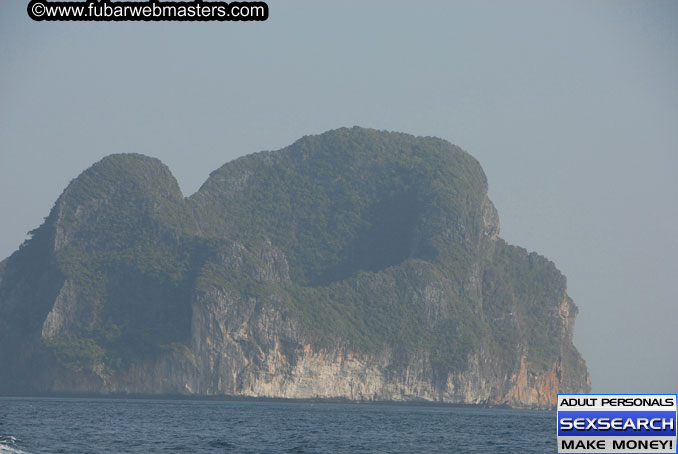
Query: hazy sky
x=570, y=107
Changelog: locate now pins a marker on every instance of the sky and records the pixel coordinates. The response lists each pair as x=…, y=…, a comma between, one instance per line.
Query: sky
x=570, y=107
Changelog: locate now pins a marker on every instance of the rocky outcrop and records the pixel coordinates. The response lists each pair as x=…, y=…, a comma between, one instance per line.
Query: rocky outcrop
x=357, y=265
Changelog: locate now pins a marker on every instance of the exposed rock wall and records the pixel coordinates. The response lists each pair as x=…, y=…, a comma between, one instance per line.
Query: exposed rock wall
x=254, y=349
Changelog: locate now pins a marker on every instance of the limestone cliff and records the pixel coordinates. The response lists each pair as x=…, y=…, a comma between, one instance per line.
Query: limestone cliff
x=356, y=264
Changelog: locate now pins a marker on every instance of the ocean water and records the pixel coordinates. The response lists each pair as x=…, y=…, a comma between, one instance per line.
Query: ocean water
x=70, y=425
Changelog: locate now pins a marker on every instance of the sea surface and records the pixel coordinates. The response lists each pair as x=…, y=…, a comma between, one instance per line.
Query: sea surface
x=86, y=425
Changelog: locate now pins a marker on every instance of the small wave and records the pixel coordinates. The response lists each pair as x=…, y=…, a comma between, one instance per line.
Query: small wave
x=9, y=450
x=221, y=444
x=7, y=445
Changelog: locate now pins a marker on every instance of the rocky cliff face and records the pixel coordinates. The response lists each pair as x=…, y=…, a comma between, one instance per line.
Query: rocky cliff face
x=356, y=264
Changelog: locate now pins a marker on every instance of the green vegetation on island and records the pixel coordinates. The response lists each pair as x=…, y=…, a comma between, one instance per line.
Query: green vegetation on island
x=371, y=240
